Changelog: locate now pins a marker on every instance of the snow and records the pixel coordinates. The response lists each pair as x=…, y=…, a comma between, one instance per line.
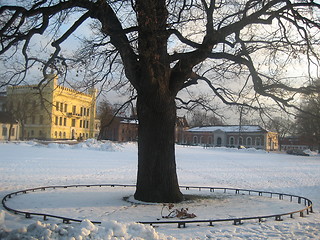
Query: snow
x=29, y=164
x=130, y=121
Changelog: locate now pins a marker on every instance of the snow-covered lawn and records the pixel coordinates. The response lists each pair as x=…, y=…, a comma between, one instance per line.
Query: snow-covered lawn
x=28, y=164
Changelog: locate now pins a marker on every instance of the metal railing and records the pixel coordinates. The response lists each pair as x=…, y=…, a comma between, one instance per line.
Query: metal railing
x=181, y=223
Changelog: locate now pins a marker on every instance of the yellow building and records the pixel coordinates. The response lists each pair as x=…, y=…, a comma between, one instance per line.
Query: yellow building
x=53, y=112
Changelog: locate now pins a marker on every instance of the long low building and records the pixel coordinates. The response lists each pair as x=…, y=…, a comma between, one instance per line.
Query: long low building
x=249, y=136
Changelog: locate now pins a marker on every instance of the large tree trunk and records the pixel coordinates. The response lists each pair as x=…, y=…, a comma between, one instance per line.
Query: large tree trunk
x=157, y=179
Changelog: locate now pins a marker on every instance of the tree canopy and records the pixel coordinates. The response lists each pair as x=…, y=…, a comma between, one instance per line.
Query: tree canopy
x=308, y=121
x=245, y=52
x=216, y=42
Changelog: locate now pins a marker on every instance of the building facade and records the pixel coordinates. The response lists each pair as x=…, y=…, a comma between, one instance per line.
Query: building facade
x=181, y=127
x=250, y=136
x=125, y=129
x=297, y=142
x=9, y=128
x=53, y=112
x=121, y=129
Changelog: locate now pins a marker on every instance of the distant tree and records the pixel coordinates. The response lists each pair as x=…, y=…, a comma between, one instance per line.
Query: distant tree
x=308, y=121
x=284, y=127
x=238, y=49
x=23, y=109
x=201, y=118
x=105, y=113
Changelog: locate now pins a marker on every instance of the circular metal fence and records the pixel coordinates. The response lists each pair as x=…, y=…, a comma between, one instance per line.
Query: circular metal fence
x=305, y=202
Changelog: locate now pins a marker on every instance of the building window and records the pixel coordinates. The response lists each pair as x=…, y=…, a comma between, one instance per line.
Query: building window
x=57, y=121
x=60, y=121
x=240, y=141
x=73, y=123
x=12, y=131
x=84, y=111
x=57, y=106
x=4, y=131
x=88, y=110
x=65, y=122
x=80, y=123
x=60, y=134
x=249, y=141
x=231, y=141
x=74, y=109
x=61, y=107
x=66, y=107
x=64, y=134
x=81, y=111
x=87, y=125
x=219, y=141
x=195, y=140
x=56, y=134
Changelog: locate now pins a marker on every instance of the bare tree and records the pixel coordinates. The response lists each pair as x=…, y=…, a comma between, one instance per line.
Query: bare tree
x=283, y=126
x=201, y=118
x=24, y=110
x=308, y=121
x=106, y=113
x=240, y=50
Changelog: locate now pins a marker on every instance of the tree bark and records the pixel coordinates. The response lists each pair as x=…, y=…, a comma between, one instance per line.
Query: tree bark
x=157, y=179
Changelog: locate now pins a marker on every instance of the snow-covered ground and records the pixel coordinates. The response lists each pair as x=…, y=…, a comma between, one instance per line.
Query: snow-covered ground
x=28, y=164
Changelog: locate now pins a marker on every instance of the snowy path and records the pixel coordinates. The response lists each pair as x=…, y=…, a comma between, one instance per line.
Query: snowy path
x=26, y=165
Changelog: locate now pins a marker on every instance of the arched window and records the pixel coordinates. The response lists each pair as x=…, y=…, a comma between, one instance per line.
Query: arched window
x=231, y=141
x=249, y=141
x=195, y=140
x=219, y=141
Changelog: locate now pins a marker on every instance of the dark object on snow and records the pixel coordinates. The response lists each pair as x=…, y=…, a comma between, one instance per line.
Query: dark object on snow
x=182, y=213
x=297, y=152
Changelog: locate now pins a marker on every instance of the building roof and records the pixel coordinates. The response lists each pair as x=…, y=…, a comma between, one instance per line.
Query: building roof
x=129, y=121
x=228, y=128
